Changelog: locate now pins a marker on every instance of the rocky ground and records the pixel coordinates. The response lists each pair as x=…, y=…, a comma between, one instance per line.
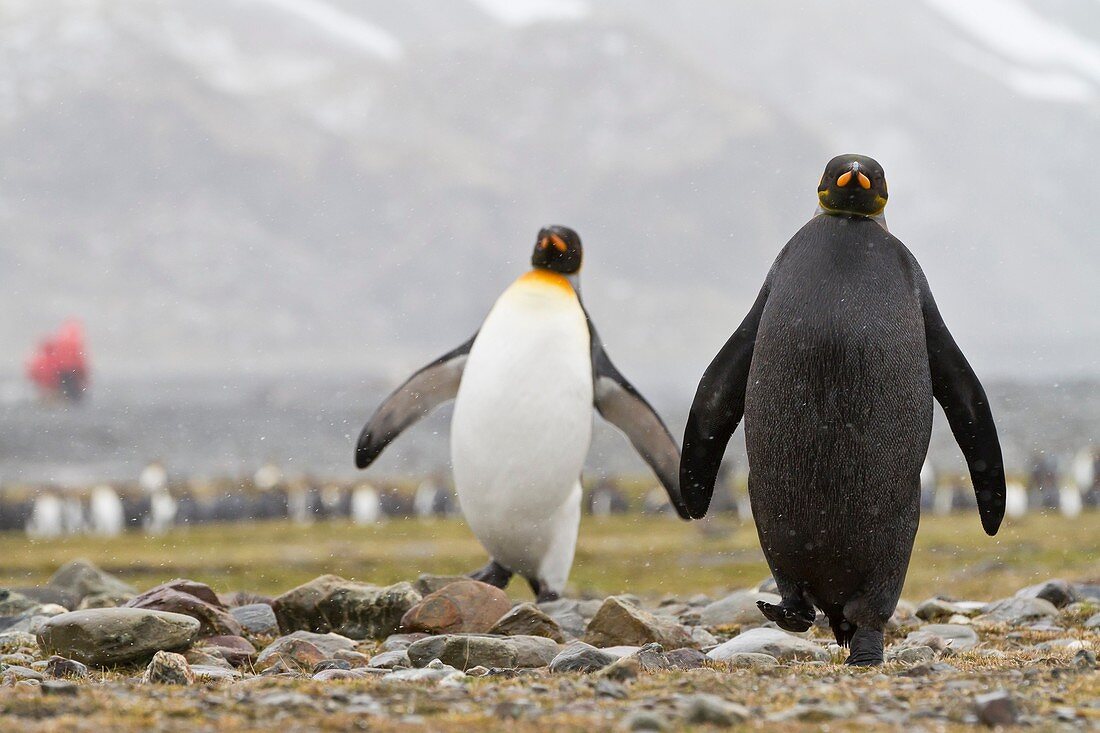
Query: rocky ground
x=85, y=651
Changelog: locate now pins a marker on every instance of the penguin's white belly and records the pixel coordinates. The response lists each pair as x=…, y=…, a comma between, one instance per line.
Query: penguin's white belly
x=522, y=426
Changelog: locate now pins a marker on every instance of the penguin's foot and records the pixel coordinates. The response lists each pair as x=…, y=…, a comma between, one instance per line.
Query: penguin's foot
x=788, y=618
x=866, y=648
x=843, y=630
x=494, y=574
x=542, y=593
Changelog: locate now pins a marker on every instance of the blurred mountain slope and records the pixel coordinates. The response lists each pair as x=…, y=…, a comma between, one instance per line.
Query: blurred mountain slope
x=330, y=185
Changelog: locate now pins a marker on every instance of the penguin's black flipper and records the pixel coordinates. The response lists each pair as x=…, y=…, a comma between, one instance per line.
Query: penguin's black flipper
x=963, y=399
x=420, y=394
x=718, y=407
x=624, y=407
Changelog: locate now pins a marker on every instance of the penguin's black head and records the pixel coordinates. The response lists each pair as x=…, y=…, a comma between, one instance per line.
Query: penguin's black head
x=853, y=185
x=558, y=249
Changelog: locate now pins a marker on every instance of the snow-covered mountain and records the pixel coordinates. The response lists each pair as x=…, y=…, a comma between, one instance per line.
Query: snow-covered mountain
x=347, y=184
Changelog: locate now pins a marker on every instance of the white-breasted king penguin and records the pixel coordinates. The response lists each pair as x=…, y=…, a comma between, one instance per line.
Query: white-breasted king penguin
x=834, y=370
x=524, y=388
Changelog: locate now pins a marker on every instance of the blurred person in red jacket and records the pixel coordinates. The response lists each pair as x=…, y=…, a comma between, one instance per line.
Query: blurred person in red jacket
x=59, y=366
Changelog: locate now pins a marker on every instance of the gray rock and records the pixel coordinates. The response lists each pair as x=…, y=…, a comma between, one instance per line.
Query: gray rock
x=47, y=594
x=29, y=621
x=15, y=640
x=706, y=709
x=330, y=675
x=1019, y=610
x=167, y=668
x=912, y=655
x=1087, y=591
x=685, y=658
x=1061, y=645
x=750, y=660
x=1093, y=622
x=996, y=708
x=1084, y=659
x=644, y=720
x=15, y=604
x=702, y=637
x=256, y=618
x=935, y=610
x=436, y=671
x=580, y=657
x=774, y=643
x=329, y=644
x=527, y=619
x=104, y=600
x=207, y=673
x=943, y=636
x=394, y=642
x=61, y=667
x=354, y=610
x=621, y=622
x=81, y=578
x=736, y=609
x=463, y=651
x=396, y=659
x=571, y=615
x=18, y=672
x=60, y=688
x=1058, y=592
x=108, y=636
x=815, y=713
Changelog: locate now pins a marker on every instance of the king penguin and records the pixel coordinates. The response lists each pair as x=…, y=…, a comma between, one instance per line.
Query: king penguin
x=524, y=388
x=834, y=370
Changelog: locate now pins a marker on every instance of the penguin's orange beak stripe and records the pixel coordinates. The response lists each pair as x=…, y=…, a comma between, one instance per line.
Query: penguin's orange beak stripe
x=845, y=179
x=555, y=241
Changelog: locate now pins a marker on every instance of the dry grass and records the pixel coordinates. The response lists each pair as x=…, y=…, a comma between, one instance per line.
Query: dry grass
x=642, y=555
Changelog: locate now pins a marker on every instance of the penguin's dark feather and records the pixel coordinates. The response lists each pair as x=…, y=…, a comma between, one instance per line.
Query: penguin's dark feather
x=421, y=393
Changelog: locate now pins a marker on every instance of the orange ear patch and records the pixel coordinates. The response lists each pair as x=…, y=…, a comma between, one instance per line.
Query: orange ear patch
x=864, y=181
x=845, y=179
x=559, y=243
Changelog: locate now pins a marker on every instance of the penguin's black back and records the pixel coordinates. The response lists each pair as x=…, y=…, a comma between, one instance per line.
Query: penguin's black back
x=838, y=414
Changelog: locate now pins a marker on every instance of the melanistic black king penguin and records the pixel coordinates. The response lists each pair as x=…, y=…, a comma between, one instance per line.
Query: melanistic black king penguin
x=834, y=370
x=524, y=387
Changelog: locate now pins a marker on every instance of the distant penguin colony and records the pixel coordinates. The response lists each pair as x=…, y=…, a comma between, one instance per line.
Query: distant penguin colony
x=834, y=370
x=524, y=388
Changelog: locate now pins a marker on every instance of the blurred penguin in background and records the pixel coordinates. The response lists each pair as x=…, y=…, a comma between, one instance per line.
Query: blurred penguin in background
x=366, y=505
x=162, y=507
x=108, y=518
x=1015, y=500
x=46, y=520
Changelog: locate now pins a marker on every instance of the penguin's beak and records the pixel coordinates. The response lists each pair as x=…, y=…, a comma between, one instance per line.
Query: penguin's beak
x=846, y=177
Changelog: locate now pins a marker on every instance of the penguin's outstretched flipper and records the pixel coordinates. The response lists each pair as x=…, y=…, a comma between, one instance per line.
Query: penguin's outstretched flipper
x=420, y=394
x=957, y=389
x=624, y=407
x=718, y=407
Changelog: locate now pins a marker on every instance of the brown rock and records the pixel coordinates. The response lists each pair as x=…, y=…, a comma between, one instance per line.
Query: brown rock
x=190, y=599
x=291, y=653
x=467, y=606
x=234, y=649
x=526, y=619
x=621, y=623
